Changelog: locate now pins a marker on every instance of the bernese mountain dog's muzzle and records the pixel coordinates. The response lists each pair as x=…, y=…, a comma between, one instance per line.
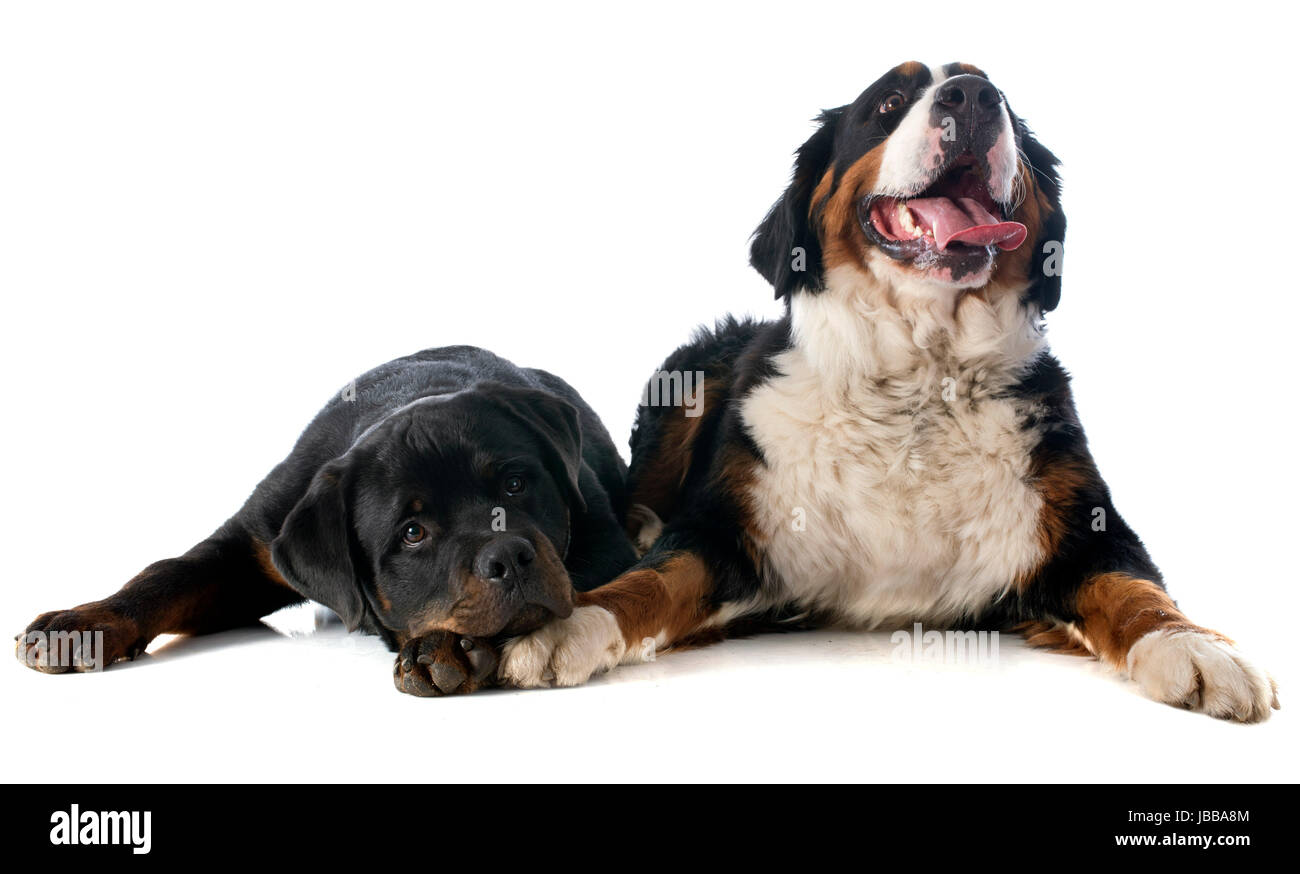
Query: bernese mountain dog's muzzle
x=944, y=195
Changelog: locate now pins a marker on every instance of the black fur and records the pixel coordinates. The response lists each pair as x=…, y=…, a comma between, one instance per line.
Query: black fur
x=785, y=232
x=704, y=519
x=1045, y=287
x=1086, y=548
x=436, y=424
x=449, y=441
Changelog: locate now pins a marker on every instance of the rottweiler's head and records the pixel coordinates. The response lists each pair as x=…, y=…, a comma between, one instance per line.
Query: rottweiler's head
x=927, y=186
x=450, y=514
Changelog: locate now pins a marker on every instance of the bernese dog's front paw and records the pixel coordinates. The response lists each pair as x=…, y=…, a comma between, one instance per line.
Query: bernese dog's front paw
x=565, y=652
x=1203, y=672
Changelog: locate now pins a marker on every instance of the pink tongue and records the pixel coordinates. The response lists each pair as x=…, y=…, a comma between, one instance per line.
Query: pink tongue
x=966, y=221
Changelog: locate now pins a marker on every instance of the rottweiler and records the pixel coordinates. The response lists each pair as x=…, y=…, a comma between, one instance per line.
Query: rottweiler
x=442, y=501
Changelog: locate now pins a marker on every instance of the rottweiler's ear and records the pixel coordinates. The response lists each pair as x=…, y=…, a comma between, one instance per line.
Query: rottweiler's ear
x=313, y=552
x=1045, y=268
x=786, y=248
x=555, y=423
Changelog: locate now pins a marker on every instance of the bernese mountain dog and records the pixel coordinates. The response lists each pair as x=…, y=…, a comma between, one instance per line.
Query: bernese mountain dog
x=900, y=446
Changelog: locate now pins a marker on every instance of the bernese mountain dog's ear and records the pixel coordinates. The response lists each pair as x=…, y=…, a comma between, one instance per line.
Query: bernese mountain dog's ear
x=1045, y=269
x=314, y=549
x=786, y=249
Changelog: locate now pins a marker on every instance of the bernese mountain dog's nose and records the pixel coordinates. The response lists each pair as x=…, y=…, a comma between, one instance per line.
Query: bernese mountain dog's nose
x=969, y=97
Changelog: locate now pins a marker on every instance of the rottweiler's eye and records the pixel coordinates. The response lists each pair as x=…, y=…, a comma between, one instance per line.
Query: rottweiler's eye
x=413, y=533
x=514, y=485
x=891, y=103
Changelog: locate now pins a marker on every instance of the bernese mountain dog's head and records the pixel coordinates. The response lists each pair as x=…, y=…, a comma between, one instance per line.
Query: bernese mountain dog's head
x=926, y=184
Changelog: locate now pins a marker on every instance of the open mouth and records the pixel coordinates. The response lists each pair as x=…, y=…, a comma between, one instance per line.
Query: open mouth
x=955, y=222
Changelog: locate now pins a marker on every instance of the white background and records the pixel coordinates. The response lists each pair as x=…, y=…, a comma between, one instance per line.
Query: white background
x=212, y=215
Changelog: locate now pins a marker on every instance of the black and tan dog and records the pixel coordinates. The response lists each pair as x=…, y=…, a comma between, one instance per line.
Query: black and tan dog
x=900, y=447
x=444, y=499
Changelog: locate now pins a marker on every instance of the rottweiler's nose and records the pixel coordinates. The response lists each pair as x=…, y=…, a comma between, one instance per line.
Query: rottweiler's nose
x=969, y=97
x=504, y=559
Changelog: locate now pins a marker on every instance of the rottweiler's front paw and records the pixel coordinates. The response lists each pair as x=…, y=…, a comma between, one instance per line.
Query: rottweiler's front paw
x=86, y=638
x=444, y=663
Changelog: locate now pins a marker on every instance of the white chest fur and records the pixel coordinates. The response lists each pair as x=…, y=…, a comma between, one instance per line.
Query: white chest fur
x=895, y=485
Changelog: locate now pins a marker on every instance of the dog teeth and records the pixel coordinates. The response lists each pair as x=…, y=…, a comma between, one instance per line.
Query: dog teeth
x=905, y=219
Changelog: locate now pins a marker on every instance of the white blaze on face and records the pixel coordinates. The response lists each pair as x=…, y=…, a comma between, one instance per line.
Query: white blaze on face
x=1002, y=159
x=913, y=149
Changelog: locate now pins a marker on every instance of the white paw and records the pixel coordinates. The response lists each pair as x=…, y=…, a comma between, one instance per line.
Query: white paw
x=1199, y=671
x=565, y=652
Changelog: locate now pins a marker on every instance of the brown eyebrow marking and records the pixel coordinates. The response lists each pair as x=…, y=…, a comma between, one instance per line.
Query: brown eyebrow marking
x=954, y=69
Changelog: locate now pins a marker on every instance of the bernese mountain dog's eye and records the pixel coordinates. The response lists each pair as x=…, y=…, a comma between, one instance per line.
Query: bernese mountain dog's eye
x=892, y=103
x=514, y=485
x=413, y=533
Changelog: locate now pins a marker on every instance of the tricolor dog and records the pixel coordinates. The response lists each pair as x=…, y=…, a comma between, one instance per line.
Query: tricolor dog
x=907, y=413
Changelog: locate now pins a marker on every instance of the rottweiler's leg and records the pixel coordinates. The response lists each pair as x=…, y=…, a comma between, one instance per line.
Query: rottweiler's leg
x=224, y=582
x=665, y=599
x=1132, y=623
